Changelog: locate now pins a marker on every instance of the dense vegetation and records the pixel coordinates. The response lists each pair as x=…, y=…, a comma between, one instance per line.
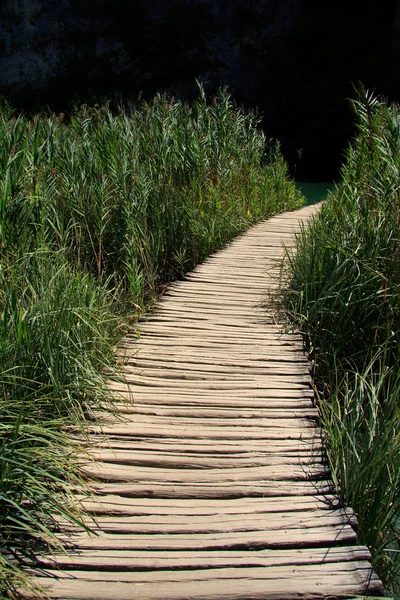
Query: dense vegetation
x=345, y=296
x=97, y=211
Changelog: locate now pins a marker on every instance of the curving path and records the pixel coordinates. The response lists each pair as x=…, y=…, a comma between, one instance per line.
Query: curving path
x=214, y=486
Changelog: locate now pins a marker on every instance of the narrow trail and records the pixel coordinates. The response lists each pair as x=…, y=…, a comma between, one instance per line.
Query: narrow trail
x=214, y=484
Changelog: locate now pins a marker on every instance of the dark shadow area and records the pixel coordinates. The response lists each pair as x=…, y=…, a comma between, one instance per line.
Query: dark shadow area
x=296, y=60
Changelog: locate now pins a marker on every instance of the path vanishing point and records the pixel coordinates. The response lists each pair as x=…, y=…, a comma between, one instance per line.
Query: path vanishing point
x=214, y=485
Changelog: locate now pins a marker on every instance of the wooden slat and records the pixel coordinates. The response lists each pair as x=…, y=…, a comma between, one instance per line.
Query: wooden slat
x=203, y=412
x=268, y=399
x=187, y=507
x=312, y=447
x=283, y=472
x=160, y=561
x=221, y=523
x=261, y=423
x=239, y=489
x=285, y=538
x=207, y=364
x=200, y=461
x=246, y=383
x=276, y=573
x=237, y=585
x=234, y=433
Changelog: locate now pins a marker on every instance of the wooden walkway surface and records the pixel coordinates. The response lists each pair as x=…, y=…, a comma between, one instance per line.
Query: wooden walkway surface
x=214, y=485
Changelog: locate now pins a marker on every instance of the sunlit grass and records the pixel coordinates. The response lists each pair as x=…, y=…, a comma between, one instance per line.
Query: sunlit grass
x=98, y=210
x=344, y=295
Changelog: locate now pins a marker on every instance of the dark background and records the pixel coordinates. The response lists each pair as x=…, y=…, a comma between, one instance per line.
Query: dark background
x=298, y=61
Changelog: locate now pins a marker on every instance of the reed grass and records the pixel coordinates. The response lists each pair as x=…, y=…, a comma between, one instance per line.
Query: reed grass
x=98, y=210
x=344, y=294
x=140, y=195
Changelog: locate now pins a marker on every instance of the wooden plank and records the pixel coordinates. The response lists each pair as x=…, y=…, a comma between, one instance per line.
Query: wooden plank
x=286, y=538
x=286, y=358
x=116, y=472
x=246, y=383
x=241, y=489
x=235, y=433
x=251, y=398
x=197, y=330
x=274, y=398
x=336, y=584
x=234, y=269
x=243, y=297
x=204, y=320
x=262, y=398
x=267, y=522
x=275, y=573
x=216, y=375
x=288, y=345
x=158, y=560
x=149, y=366
x=303, y=448
x=195, y=309
x=140, y=408
x=293, y=344
x=202, y=301
x=118, y=505
x=238, y=299
x=190, y=421
x=196, y=314
x=200, y=461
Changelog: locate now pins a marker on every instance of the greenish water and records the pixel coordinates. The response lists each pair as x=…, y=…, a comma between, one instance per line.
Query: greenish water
x=315, y=192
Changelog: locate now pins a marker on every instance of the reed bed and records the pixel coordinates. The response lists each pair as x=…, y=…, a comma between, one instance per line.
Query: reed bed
x=99, y=209
x=344, y=294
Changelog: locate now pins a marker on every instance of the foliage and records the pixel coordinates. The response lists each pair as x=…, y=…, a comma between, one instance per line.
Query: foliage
x=345, y=296
x=97, y=211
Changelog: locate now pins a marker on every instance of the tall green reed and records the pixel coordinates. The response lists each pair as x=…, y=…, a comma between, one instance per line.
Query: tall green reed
x=98, y=209
x=56, y=333
x=361, y=419
x=344, y=294
x=143, y=194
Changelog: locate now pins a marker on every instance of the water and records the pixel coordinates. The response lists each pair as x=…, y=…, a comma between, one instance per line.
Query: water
x=315, y=192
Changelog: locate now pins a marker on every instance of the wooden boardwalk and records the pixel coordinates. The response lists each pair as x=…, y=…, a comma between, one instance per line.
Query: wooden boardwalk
x=214, y=485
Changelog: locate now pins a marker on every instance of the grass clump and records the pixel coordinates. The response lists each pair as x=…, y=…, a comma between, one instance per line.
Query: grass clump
x=344, y=294
x=98, y=210
x=140, y=195
x=56, y=332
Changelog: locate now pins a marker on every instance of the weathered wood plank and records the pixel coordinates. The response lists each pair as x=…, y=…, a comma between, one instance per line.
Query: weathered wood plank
x=198, y=507
x=336, y=584
x=203, y=412
x=162, y=421
x=267, y=522
x=305, y=449
x=265, y=399
x=182, y=432
x=285, y=538
x=230, y=358
x=142, y=473
x=200, y=461
x=276, y=572
x=157, y=560
x=240, y=489
x=232, y=363
x=246, y=383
